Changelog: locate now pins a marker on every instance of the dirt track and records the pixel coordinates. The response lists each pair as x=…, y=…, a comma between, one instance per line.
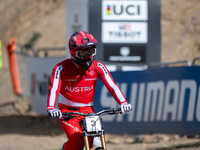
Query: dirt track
x=31, y=142
x=21, y=129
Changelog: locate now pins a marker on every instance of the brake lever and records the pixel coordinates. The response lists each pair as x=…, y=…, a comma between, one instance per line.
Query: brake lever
x=115, y=112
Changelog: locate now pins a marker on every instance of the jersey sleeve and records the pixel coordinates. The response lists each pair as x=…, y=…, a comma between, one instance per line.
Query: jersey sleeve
x=108, y=81
x=54, y=87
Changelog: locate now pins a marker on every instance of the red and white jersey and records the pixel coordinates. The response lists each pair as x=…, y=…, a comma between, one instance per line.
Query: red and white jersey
x=76, y=86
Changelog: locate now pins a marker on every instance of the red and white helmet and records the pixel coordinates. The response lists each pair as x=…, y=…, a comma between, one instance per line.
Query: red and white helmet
x=82, y=47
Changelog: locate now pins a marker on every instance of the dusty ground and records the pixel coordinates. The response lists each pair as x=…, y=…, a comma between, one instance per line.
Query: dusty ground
x=22, y=129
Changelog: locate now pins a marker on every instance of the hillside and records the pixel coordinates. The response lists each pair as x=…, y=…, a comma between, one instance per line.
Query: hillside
x=22, y=19
x=180, y=23
x=180, y=30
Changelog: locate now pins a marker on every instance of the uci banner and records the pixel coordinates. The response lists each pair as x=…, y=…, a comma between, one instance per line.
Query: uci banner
x=127, y=31
x=164, y=100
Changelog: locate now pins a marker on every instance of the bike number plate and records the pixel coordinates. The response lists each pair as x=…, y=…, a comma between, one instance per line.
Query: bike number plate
x=93, y=123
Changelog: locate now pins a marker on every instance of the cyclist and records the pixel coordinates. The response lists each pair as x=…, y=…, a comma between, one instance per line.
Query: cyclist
x=74, y=81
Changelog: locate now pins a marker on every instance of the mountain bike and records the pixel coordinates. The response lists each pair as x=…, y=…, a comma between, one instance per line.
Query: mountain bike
x=92, y=126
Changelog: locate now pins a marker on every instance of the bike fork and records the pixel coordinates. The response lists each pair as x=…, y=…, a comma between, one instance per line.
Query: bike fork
x=86, y=141
x=103, y=141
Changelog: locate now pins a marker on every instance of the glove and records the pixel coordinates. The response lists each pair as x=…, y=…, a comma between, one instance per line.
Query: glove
x=55, y=113
x=125, y=107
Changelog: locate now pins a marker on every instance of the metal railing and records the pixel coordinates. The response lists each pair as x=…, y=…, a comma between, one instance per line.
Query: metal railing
x=29, y=51
x=153, y=65
x=194, y=60
x=35, y=53
x=46, y=49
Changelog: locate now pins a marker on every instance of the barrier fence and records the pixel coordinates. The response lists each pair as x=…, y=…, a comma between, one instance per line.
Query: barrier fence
x=164, y=99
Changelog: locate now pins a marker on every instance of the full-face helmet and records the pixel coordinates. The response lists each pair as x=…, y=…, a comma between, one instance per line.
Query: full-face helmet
x=82, y=47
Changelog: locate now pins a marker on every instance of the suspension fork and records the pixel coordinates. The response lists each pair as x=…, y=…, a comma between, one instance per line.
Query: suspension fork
x=86, y=141
x=86, y=136
x=103, y=141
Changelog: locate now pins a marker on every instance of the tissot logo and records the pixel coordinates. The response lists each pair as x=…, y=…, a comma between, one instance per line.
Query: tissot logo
x=124, y=32
x=124, y=10
x=125, y=27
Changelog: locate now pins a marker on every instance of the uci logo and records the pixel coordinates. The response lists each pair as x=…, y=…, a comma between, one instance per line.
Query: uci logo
x=123, y=9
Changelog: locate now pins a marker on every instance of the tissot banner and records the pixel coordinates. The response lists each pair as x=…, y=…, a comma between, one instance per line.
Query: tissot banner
x=124, y=32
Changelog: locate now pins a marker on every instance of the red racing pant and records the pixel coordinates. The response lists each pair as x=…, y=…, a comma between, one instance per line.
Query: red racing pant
x=72, y=128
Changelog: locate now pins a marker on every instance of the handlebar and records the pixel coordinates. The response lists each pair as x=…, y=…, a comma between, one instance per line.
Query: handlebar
x=100, y=113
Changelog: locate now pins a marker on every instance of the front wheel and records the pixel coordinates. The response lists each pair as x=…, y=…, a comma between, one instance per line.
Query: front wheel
x=97, y=148
x=63, y=146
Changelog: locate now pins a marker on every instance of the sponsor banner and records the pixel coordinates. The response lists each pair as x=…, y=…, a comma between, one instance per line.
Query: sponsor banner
x=164, y=100
x=76, y=20
x=39, y=78
x=124, y=10
x=124, y=32
x=126, y=22
x=128, y=53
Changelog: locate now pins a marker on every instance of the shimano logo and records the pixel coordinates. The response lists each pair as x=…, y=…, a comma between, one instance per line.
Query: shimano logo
x=79, y=89
x=159, y=101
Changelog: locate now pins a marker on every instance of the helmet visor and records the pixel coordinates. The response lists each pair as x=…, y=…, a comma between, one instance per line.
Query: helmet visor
x=86, y=54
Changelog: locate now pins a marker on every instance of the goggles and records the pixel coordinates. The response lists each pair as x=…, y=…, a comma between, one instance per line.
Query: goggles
x=85, y=54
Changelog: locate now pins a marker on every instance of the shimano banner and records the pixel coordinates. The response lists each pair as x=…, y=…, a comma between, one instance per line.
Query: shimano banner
x=164, y=100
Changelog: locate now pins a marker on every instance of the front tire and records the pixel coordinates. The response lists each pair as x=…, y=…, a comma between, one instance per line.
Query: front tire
x=63, y=146
x=97, y=148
